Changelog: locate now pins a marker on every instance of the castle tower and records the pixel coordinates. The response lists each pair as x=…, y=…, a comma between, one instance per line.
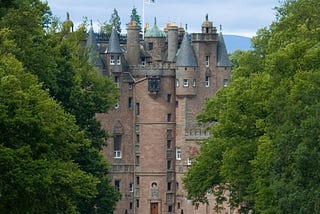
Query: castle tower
x=186, y=63
x=155, y=41
x=114, y=57
x=172, y=42
x=92, y=46
x=133, y=44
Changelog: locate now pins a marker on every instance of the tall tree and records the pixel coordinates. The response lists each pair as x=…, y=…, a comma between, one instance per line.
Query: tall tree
x=266, y=121
x=115, y=20
x=135, y=17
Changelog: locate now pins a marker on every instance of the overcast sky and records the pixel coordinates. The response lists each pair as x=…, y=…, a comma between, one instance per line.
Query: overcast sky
x=237, y=17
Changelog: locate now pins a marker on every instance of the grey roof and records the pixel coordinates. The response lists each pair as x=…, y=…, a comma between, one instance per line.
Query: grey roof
x=114, y=44
x=222, y=55
x=185, y=55
x=92, y=46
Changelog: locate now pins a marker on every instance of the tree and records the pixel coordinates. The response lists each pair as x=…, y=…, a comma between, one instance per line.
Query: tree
x=38, y=140
x=115, y=21
x=135, y=17
x=61, y=65
x=266, y=121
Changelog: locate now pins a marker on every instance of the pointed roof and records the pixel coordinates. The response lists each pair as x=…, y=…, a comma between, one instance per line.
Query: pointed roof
x=114, y=44
x=92, y=46
x=222, y=55
x=185, y=55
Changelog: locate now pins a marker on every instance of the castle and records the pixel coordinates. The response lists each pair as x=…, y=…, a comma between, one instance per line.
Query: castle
x=163, y=80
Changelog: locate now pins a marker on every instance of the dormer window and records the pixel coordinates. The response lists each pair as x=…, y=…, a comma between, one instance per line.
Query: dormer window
x=111, y=60
x=118, y=60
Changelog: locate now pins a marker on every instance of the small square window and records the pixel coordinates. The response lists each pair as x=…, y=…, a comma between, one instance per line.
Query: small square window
x=207, y=61
x=168, y=98
x=111, y=60
x=186, y=83
x=118, y=60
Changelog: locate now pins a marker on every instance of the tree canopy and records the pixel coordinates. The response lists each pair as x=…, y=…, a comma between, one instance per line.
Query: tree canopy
x=50, y=141
x=264, y=146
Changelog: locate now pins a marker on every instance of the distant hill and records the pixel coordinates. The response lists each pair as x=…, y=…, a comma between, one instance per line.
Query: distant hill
x=234, y=42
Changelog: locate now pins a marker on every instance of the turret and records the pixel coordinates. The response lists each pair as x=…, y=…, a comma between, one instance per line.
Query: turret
x=186, y=64
x=114, y=53
x=133, y=44
x=92, y=46
x=172, y=42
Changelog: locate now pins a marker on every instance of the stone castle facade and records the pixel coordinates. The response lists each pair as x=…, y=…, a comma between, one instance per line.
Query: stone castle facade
x=163, y=80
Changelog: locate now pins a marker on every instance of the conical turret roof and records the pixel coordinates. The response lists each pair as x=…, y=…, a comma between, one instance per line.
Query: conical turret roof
x=185, y=56
x=92, y=45
x=114, y=44
x=222, y=55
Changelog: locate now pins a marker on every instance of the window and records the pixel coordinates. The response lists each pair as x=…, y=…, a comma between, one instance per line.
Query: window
x=207, y=61
x=169, y=186
x=137, y=128
x=131, y=205
x=130, y=102
x=137, y=108
x=117, y=105
x=118, y=60
x=169, y=133
x=178, y=153
x=131, y=188
x=169, y=144
x=150, y=45
x=169, y=164
x=168, y=98
x=117, y=146
x=207, y=81
x=137, y=203
x=137, y=160
x=116, y=81
x=143, y=61
x=137, y=180
x=138, y=138
x=130, y=85
x=225, y=82
x=177, y=186
x=117, y=184
x=186, y=83
x=169, y=117
x=189, y=161
x=194, y=82
x=154, y=84
x=178, y=205
x=111, y=60
x=177, y=83
x=170, y=208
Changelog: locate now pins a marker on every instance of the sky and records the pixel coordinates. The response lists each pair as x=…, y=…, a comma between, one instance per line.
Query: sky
x=236, y=17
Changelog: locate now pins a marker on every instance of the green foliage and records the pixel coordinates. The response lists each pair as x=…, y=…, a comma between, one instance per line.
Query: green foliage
x=264, y=146
x=51, y=161
x=114, y=22
x=135, y=17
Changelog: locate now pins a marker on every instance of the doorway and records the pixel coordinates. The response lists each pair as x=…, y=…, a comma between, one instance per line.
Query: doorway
x=154, y=208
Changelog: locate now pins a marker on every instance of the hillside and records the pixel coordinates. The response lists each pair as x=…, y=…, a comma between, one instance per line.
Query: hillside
x=234, y=42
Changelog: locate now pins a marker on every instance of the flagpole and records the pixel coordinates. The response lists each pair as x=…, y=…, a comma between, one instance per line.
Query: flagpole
x=143, y=19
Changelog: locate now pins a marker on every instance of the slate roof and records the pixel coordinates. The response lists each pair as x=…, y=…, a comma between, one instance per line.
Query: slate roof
x=185, y=55
x=222, y=54
x=114, y=44
x=92, y=45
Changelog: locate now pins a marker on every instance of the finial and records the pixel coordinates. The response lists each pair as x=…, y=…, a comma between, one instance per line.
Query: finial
x=155, y=20
x=186, y=27
x=220, y=28
x=207, y=17
x=68, y=16
x=91, y=22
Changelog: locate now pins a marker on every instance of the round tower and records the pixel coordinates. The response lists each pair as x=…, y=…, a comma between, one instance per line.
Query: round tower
x=133, y=44
x=172, y=42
